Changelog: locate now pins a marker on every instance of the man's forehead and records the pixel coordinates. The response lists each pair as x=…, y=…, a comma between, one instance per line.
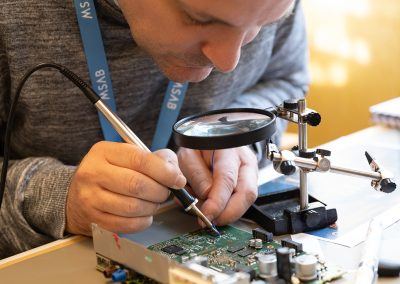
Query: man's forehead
x=240, y=12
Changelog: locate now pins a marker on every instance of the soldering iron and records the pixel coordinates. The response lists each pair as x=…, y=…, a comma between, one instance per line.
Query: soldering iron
x=185, y=198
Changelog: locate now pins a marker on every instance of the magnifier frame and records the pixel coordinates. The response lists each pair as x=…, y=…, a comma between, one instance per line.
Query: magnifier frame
x=225, y=141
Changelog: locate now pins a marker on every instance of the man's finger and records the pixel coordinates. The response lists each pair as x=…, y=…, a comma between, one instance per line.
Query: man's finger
x=226, y=171
x=124, y=206
x=244, y=195
x=196, y=171
x=153, y=165
x=131, y=183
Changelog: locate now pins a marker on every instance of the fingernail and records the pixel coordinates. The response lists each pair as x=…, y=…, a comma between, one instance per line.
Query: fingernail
x=180, y=182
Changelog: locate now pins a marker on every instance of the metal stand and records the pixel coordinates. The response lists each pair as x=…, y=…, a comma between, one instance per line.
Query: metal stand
x=293, y=210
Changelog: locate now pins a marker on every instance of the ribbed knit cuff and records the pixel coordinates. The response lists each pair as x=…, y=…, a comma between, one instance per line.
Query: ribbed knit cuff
x=45, y=197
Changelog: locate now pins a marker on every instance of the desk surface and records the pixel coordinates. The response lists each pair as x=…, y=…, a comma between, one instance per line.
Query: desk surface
x=73, y=260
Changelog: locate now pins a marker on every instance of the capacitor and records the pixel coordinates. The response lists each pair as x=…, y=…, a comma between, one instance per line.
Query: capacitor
x=119, y=275
x=267, y=265
x=252, y=243
x=283, y=257
x=306, y=267
x=258, y=243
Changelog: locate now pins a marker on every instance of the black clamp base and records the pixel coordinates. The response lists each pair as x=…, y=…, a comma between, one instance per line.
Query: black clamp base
x=279, y=213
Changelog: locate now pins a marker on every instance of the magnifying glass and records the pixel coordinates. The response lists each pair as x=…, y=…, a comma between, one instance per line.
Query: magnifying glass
x=225, y=128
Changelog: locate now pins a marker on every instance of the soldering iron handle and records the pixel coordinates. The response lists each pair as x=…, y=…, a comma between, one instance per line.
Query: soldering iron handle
x=184, y=197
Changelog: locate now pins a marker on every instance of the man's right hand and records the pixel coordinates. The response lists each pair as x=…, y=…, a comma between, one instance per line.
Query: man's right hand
x=119, y=187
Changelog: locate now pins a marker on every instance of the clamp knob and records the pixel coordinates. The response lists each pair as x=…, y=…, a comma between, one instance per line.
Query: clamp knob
x=306, y=154
x=287, y=168
x=387, y=185
x=323, y=152
x=313, y=118
x=290, y=104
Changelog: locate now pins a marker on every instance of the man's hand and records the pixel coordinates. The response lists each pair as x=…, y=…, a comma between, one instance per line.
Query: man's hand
x=119, y=187
x=229, y=191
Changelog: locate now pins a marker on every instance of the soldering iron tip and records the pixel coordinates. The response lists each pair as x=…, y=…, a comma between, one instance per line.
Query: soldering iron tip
x=215, y=230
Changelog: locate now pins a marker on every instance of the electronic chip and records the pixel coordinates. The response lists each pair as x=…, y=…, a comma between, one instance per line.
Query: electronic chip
x=235, y=248
x=174, y=249
x=245, y=252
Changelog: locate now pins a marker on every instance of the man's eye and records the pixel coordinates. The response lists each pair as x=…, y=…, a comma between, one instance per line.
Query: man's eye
x=195, y=22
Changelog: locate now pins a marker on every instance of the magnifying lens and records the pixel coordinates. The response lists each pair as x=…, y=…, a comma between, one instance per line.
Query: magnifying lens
x=224, y=128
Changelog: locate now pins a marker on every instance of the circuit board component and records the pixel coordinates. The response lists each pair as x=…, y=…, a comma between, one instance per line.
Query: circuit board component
x=228, y=252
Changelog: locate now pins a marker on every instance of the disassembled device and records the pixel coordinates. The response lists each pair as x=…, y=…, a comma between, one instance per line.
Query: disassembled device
x=235, y=256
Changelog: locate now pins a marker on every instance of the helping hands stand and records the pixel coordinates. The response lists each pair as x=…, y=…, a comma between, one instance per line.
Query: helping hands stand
x=294, y=210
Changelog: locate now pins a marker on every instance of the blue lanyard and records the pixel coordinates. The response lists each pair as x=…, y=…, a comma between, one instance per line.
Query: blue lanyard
x=171, y=107
x=101, y=81
x=96, y=60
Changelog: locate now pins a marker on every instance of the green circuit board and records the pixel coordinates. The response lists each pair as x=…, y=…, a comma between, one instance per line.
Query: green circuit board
x=225, y=252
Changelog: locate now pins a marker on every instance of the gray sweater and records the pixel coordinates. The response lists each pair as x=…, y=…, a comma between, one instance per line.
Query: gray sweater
x=56, y=125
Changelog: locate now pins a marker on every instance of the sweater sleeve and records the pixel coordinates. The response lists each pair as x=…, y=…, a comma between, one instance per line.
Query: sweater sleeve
x=286, y=76
x=33, y=207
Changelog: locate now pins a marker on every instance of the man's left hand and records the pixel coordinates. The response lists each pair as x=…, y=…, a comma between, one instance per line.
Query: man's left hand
x=226, y=192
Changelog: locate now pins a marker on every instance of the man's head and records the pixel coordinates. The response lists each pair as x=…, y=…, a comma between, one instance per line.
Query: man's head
x=188, y=38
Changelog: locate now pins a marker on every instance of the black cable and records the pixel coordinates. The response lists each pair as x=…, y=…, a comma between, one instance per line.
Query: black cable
x=86, y=89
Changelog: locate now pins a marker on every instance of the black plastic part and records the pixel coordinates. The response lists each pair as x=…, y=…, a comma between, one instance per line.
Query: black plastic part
x=288, y=168
x=225, y=141
x=183, y=196
x=280, y=213
x=295, y=148
x=265, y=236
x=85, y=88
x=387, y=268
x=313, y=118
x=292, y=244
x=283, y=264
x=387, y=185
x=323, y=152
x=306, y=154
x=173, y=249
x=290, y=104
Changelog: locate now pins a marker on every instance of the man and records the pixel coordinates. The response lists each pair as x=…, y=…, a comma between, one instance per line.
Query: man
x=62, y=177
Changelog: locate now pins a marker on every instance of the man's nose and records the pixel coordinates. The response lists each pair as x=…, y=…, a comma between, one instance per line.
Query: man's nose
x=224, y=50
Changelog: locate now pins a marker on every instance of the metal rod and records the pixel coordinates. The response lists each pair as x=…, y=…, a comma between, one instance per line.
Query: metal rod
x=302, y=126
x=357, y=173
x=313, y=165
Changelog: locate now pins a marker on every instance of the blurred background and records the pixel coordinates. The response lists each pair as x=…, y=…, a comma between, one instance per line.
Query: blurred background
x=354, y=62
